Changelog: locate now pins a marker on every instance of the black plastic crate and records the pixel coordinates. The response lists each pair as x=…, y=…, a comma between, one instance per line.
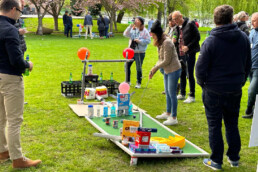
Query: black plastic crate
x=71, y=89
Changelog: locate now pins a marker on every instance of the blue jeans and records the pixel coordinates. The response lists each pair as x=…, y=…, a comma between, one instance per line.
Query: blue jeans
x=190, y=64
x=253, y=88
x=69, y=29
x=106, y=32
x=170, y=83
x=138, y=58
x=219, y=106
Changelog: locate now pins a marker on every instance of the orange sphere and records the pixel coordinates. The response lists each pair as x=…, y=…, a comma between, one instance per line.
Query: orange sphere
x=82, y=53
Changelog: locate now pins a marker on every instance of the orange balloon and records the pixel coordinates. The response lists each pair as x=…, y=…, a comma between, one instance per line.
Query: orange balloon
x=82, y=53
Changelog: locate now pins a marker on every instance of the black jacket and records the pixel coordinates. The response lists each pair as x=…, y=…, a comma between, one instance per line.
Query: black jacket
x=65, y=19
x=11, y=56
x=101, y=24
x=191, y=36
x=243, y=27
x=225, y=60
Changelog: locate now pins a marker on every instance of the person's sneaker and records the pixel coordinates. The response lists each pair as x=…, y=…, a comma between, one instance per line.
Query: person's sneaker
x=248, y=113
x=24, y=162
x=190, y=99
x=163, y=92
x=162, y=116
x=180, y=97
x=138, y=85
x=170, y=121
x=233, y=163
x=211, y=164
x=4, y=156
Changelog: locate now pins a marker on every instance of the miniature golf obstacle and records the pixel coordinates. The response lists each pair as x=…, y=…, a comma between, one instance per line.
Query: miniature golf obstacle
x=84, y=53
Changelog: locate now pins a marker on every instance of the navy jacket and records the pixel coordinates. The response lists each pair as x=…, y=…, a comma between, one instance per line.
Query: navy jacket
x=11, y=56
x=107, y=22
x=70, y=21
x=65, y=19
x=88, y=20
x=225, y=60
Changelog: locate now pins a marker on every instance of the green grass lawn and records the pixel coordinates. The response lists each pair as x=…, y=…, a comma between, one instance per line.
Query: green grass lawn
x=64, y=142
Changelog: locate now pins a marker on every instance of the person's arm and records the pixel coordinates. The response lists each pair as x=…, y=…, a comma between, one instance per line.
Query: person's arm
x=145, y=39
x=248, y=64
x=128, y=31
x=202, y=63
x=14, y=52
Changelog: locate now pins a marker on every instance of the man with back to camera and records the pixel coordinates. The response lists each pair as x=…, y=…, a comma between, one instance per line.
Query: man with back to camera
x=186, y=40
x=253, y=87
x=88, y=25
x=221, y=70
x=12, y=65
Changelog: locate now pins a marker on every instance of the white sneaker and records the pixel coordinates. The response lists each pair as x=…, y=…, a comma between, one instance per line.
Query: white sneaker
x=190, y=99
x=180, y=97
x=170, y=121
x=138, y=85
x=162, y=116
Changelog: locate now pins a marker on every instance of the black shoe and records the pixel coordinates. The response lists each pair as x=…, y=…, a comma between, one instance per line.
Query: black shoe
x=248, y=113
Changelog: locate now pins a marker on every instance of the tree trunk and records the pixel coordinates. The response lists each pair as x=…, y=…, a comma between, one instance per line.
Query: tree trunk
x=111, y=22
x=56, y=22
x=120, y=16
x=40, y=25
x=114, y=15
x=159, y=13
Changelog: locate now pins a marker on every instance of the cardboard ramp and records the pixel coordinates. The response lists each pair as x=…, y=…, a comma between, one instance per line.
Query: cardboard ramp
x=190, y=149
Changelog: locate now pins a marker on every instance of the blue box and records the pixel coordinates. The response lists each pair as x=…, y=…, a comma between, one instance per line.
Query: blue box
x=123, y=101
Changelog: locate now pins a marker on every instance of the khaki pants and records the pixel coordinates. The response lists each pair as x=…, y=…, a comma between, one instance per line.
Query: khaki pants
x=11, y=114
x=87, y=27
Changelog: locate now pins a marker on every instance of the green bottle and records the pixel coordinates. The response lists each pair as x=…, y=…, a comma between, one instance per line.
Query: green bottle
x=71, y=78
x=27, y=71
x=111, y=77
x=100, y=78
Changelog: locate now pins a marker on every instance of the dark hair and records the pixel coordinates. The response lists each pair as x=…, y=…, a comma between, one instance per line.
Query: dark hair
x=101, y=18
x=7, y=5
x=160, y=40
x=223, y=15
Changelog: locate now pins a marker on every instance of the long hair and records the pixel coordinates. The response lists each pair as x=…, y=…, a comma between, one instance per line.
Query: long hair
x=160, y=40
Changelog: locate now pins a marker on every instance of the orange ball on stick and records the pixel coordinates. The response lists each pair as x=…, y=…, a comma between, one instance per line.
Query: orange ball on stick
x=82, y=53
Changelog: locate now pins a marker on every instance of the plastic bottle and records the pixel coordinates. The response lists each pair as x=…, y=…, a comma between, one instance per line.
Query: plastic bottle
x=27, y=70
x=98, y=111
x=105, y=111
x=113, y=110
x=90, y=72
x=100, y=78
x=111, y=77
x=90, y=111
x=130, y=108
x=71, y=78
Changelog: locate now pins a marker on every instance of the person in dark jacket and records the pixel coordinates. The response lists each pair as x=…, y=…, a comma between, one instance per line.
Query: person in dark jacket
x=107, y=22
x=186, y=40
x=101, y=26
x=253, y=88
x=242, y=22
x=221, y=70
x=21, y=30
x=65, y=21
x=12, y=65
x=88, y=25
x=70, y=26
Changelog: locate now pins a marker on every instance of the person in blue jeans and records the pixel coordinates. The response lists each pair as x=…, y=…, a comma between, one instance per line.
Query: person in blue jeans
x=168, y=61
x=253, y=88
x=221, y=70
x=139, y=40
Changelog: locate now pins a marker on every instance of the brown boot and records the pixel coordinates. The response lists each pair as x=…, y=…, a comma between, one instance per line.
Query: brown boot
x=25, y=163
x=4, y=156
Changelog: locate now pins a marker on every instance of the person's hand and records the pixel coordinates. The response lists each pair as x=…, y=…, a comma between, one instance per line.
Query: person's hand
x=185, y=49
x=150, y=75
x=22, y=31
x=137, y=40
x=152, y=72
x=31, y=66
x=174, y=40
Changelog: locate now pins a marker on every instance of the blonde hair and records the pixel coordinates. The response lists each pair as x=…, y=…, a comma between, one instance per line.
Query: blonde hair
x=241, y=15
